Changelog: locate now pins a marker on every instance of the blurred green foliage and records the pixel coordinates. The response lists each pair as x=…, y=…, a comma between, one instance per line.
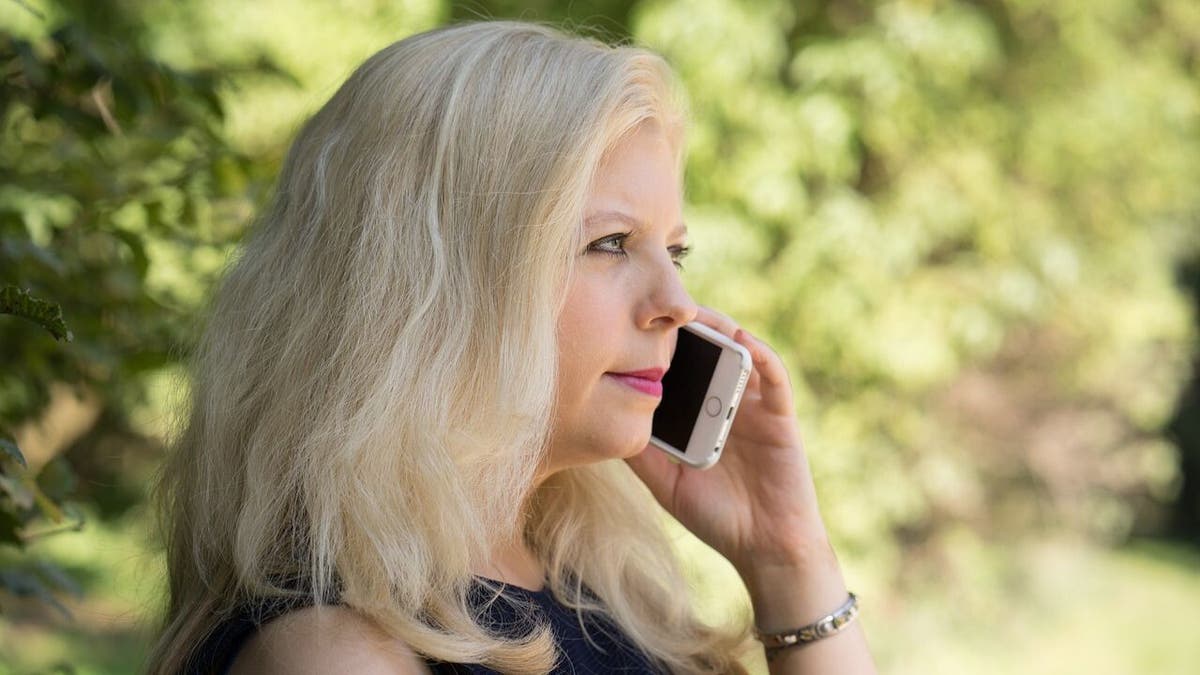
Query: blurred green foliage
x=962, y=222
x=119, y=200
x=959, y=222
x=113, y=169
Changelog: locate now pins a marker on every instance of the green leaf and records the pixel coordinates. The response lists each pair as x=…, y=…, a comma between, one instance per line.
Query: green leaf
x=21, y=494
x=9, y=449
x=23, y=583
x=46, y=314
x=141, y=262
x=56, y=479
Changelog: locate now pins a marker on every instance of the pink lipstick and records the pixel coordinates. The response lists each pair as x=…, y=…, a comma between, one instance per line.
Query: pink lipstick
x=647, y=381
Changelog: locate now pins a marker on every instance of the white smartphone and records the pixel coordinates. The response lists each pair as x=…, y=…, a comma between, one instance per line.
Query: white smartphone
x=700, y=395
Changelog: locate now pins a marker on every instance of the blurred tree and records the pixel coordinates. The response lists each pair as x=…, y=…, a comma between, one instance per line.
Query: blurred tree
x=1184, y=428
x=28, y=499
x=958, y=222
x=119, y=199
x=606, y=19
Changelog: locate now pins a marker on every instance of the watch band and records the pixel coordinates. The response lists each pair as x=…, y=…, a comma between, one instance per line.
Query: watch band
x=828, y=625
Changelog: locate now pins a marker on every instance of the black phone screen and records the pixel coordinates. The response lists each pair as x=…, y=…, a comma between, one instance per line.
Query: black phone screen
x=684, y=387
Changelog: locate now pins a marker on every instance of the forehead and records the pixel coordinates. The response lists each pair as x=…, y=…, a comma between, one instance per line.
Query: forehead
x=638, y=184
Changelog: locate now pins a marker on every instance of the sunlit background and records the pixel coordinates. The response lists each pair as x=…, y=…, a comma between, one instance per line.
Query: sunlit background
x=971, y=228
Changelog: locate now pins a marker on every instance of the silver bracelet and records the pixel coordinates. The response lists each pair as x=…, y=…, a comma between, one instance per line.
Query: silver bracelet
x=828, y=625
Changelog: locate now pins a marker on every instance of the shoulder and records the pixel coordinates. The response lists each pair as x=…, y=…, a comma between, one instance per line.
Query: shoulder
x=328, y=639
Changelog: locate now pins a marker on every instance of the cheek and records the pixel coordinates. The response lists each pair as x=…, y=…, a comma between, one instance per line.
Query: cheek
x=588, y=335
x=589, y=325
x=580, y=366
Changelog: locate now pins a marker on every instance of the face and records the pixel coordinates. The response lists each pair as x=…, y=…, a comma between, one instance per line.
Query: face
x=624, y=305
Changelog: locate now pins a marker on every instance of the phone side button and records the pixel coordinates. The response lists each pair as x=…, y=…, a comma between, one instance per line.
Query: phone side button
x=730, y=413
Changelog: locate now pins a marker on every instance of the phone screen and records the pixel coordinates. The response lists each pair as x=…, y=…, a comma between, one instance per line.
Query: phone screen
x=684, y=388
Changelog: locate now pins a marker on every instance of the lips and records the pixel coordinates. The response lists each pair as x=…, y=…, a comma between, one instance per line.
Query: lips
x=648, y=381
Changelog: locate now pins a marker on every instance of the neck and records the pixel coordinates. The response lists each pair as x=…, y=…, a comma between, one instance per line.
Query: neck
x=515, y=563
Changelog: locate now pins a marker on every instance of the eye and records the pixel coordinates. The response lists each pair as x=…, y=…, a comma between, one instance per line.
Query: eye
x=613, y=244
x=678, y=253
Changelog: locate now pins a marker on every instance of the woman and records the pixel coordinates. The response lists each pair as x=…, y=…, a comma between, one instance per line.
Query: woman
x=407, y=426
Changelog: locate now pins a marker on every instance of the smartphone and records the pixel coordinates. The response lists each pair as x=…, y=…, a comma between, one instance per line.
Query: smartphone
x=700, y=395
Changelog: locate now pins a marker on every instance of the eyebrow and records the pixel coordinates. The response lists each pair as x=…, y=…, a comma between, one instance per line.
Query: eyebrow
x=621, y=216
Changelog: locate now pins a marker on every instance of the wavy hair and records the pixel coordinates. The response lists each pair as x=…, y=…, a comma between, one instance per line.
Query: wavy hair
x=373, y=392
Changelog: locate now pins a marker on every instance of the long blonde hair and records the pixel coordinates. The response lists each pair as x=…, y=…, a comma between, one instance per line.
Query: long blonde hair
x=374, y=389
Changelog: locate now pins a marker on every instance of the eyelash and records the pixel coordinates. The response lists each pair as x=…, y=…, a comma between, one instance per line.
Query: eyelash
x=677, y=252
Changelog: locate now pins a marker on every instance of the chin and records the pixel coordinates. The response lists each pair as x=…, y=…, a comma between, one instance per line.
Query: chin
x=640, y=445
x=608, y=445
x=632, y=445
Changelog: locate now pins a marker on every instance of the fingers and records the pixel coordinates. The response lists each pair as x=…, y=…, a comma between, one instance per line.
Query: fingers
x=717, y=321
x=768, y=376
x=773, y=383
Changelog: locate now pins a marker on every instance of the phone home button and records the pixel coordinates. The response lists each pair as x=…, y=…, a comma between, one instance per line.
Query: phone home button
x=712, y=406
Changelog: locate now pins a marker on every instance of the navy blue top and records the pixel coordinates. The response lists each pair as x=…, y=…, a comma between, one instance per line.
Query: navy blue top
x=604, y=648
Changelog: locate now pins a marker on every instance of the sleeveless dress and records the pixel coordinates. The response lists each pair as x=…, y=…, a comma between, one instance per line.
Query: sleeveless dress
x=604, y=648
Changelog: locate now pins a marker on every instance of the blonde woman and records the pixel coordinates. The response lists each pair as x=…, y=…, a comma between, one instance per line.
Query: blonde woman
x=412, y=444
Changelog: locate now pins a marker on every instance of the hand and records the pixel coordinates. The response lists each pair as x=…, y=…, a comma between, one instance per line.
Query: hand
x=757, y=506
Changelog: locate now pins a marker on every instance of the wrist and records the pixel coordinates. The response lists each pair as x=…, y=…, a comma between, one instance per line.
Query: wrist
x=827, y=626
x=795, y=590
x=764, y=568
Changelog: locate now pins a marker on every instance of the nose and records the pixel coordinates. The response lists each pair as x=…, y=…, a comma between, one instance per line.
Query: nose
x=667, y=303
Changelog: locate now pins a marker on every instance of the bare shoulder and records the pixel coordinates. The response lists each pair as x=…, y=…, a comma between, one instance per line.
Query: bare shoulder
x=323, y=640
